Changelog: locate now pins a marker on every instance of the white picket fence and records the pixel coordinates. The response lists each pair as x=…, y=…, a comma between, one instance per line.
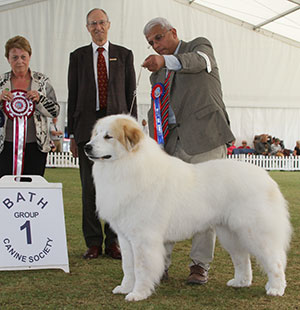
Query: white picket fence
x=62, y=160
x=287, y=163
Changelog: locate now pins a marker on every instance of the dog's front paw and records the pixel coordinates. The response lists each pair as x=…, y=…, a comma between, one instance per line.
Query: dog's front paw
x=121, y=290
x=239, y=283
x=133, y=296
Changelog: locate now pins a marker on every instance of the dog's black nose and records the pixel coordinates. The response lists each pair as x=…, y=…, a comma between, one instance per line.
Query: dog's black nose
x=88, y=148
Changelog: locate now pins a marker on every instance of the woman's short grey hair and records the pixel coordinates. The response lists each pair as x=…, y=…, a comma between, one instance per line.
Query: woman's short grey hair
x=164, y=23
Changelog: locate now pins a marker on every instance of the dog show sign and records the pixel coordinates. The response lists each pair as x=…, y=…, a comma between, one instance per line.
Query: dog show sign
x=32, y=225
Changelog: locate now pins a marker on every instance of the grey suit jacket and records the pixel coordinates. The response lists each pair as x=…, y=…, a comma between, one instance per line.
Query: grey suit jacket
x=82, y=88
x=202, y=123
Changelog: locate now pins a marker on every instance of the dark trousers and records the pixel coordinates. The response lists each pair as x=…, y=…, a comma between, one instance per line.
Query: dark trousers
x=34, y=160
x=91, y=225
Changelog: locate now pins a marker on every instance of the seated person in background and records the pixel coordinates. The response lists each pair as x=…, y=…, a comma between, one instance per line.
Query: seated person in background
x=256, y=140
x=276, y=148
x=297, y=149
x=231, y=148
x=243, y=149
x=263, y=147
x=269, y=139
x=244, y=145
x=281, y=143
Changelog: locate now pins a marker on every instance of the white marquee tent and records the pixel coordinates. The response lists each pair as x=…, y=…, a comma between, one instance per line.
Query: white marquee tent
x=260, y=70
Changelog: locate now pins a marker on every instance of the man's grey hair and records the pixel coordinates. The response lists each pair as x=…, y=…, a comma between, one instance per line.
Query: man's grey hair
x=88, y=14
x=164, y=23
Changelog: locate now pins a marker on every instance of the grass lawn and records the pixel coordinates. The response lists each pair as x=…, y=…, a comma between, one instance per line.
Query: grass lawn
x=89, y=284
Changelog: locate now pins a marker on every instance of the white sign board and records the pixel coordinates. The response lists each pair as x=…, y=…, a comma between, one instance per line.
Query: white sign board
x=32, y=225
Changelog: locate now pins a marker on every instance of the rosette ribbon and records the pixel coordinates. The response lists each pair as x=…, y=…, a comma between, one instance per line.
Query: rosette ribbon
x=19, y=110
x=157, y=93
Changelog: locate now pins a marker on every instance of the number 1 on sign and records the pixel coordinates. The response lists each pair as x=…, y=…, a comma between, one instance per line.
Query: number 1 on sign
x=26, y=226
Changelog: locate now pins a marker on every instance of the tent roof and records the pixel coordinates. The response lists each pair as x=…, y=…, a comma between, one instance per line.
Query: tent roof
x=278, y=16
x=11, y=4
x=4, y=2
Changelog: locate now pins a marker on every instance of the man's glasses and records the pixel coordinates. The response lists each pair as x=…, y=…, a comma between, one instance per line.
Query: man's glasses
x=157, y=38
x=94, y=23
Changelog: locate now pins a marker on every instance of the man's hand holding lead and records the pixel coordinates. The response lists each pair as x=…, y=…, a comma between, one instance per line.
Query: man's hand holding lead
x=154, y=62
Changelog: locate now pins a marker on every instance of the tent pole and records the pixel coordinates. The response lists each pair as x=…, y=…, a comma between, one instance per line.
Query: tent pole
x=277, y=17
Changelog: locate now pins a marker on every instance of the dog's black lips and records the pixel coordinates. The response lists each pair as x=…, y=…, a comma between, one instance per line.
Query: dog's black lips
x=102, y=157
x=106, y=157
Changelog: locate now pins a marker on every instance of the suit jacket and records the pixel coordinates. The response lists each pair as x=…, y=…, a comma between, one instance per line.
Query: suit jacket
x=82, y=88
x=202, y=123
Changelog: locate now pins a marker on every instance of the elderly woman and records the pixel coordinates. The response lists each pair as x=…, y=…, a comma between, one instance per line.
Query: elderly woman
x=38, y=91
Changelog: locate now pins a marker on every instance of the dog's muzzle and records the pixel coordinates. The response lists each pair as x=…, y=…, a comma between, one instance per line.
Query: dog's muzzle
x=88, y=149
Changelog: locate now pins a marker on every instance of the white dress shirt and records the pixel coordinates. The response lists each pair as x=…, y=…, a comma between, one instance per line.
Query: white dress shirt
x=95, y=60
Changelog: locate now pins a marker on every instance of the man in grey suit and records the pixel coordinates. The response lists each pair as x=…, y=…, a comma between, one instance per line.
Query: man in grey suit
x=85, y=106
x=198, y=122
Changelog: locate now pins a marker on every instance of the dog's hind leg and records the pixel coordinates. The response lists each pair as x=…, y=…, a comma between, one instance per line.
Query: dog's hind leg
x=239, y=256
x=148, y=266
x=270, y=254
x=127, y=266
x=274, y=265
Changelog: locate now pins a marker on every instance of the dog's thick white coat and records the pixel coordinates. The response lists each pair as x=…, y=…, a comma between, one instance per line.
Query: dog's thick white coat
x=149, y=198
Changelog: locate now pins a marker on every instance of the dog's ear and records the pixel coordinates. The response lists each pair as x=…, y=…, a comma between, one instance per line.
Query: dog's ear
x=132, y=135
x=128, y=133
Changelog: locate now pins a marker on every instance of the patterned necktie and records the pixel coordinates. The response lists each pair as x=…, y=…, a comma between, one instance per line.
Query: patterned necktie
x=102, y=78
x=165, y=102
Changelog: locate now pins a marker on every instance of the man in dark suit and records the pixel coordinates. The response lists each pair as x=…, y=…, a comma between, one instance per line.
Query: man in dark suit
x=97, y=88
x=198, y=122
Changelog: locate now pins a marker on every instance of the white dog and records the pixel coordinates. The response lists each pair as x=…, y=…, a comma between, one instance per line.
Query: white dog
x=150, y=198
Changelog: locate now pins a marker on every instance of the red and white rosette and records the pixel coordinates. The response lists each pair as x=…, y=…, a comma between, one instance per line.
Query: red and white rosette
x=19, y=110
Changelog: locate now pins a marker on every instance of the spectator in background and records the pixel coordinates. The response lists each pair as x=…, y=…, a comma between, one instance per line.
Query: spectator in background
x=297, y=149
x=243, y=149
x=276, y=148
x=56, y=136
x=263, y=147
x=244, y=145
x=231, y=148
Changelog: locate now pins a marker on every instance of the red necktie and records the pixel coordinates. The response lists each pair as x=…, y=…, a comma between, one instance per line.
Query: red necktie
x=165, y=102
x=102, y=78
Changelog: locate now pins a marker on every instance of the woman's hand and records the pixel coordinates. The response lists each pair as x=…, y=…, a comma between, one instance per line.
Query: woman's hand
x=33, y=95
x=6, y=95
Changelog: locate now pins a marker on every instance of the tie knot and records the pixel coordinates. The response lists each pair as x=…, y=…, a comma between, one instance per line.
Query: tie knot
x=100, y=50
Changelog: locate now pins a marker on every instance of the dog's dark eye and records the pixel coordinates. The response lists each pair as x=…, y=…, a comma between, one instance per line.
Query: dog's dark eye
x=107, y=136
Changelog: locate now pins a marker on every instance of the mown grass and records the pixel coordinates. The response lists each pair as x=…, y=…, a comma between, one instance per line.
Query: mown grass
x=88, y=285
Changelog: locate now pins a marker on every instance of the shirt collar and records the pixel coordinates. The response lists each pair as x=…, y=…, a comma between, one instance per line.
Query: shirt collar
x=177, y=48
x=95, y=46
